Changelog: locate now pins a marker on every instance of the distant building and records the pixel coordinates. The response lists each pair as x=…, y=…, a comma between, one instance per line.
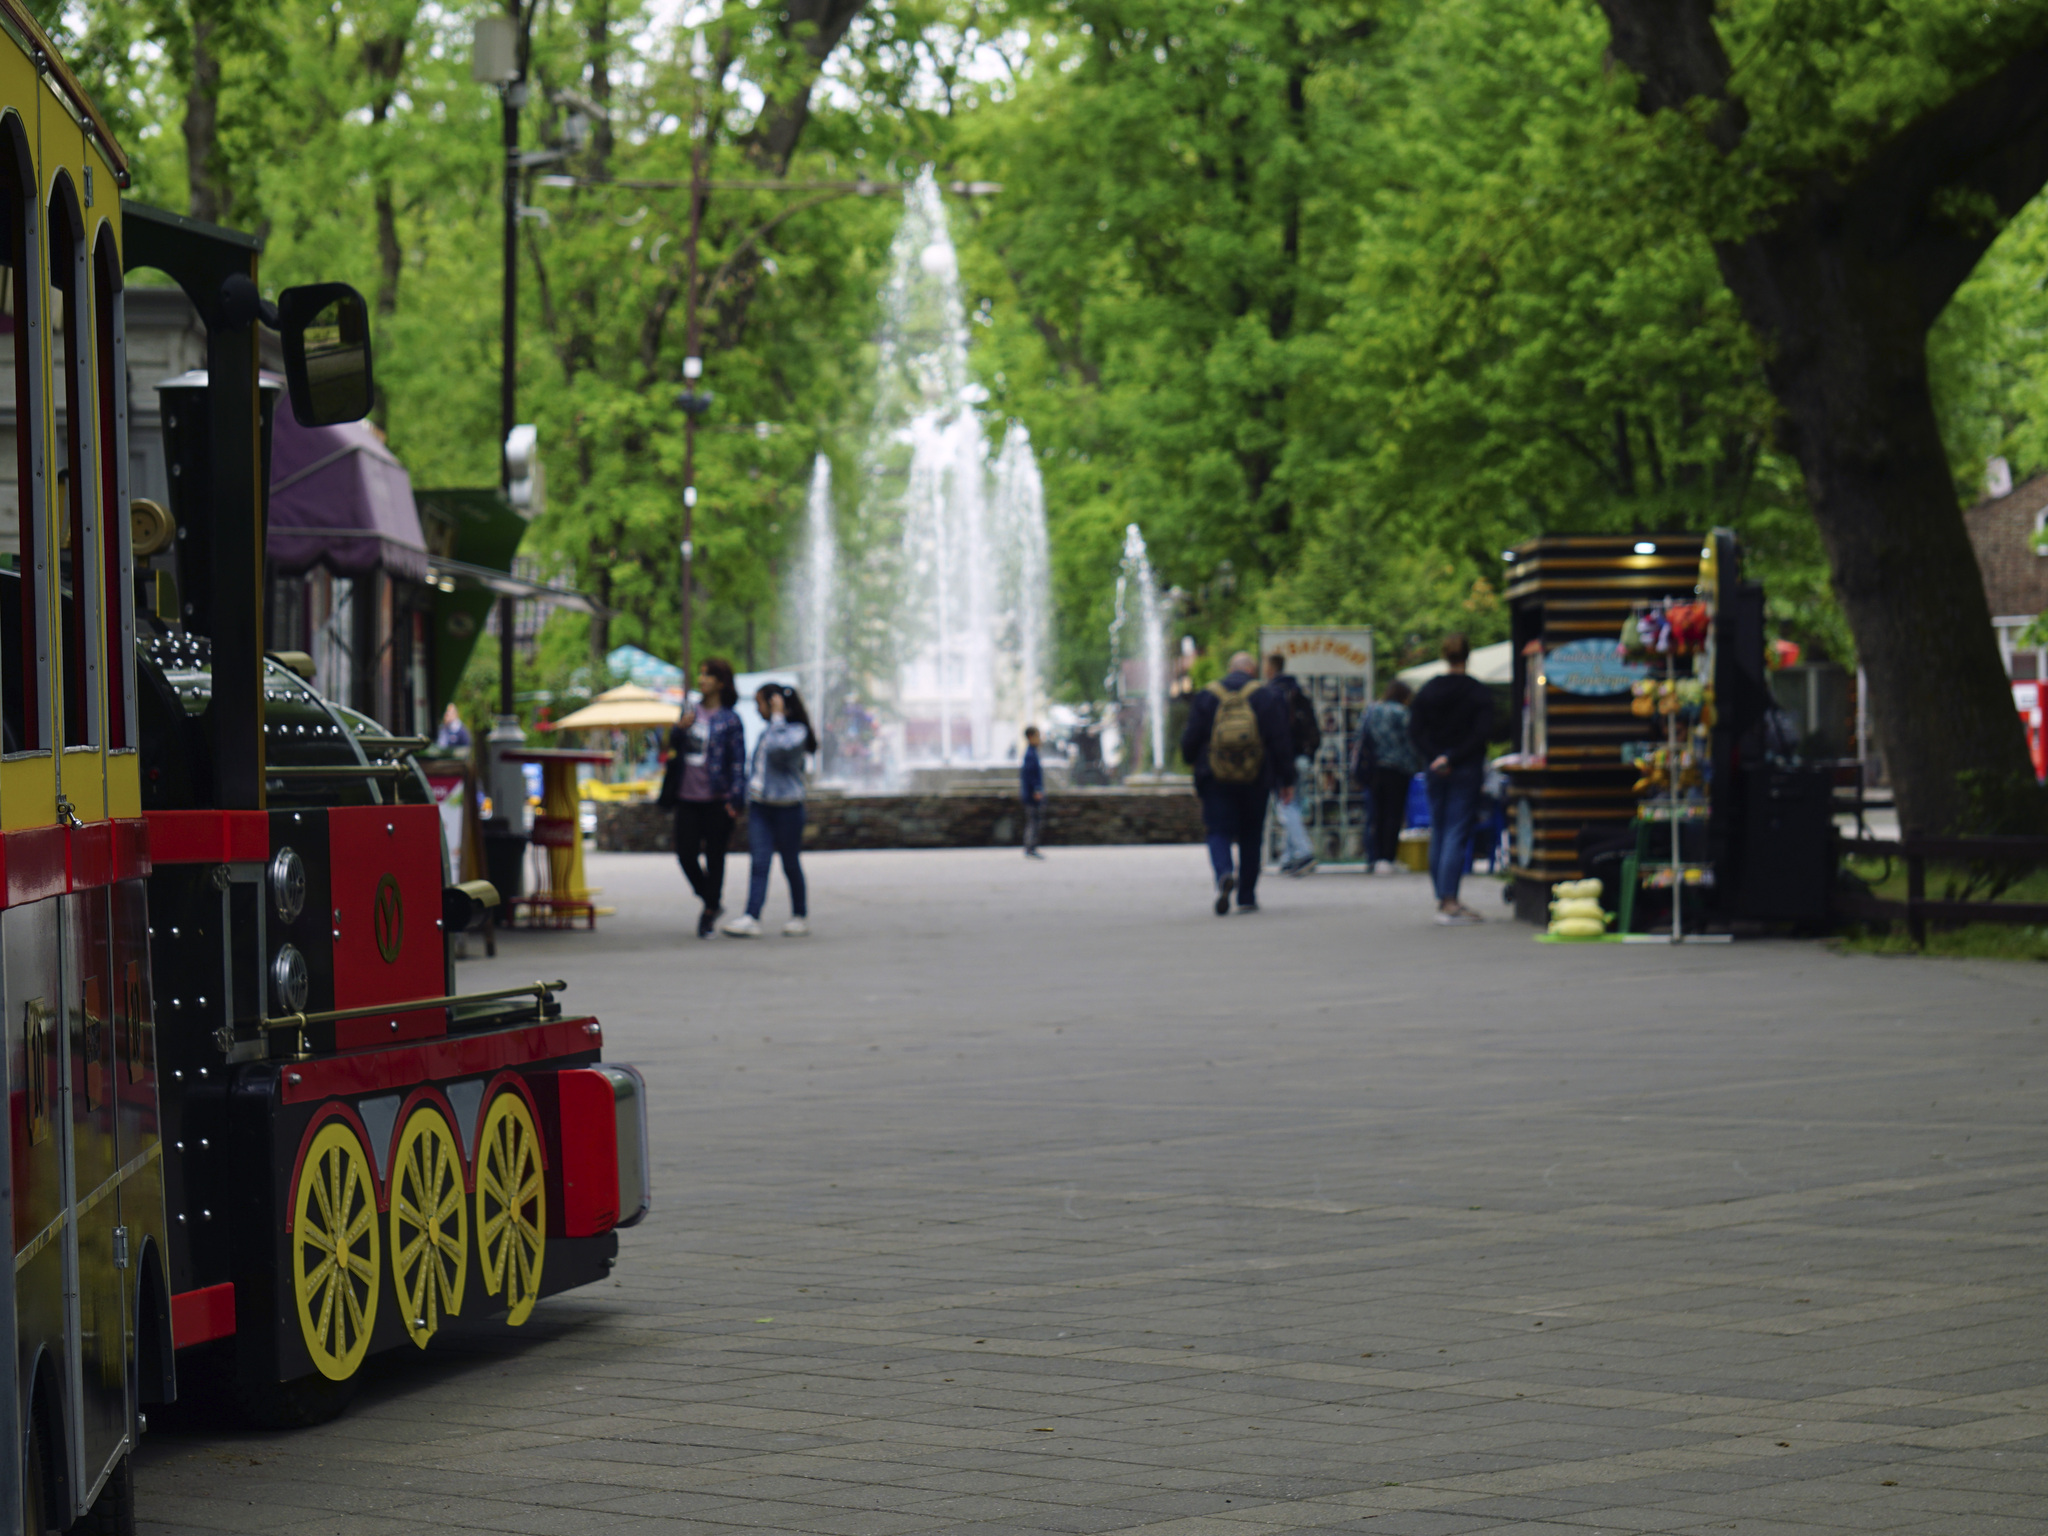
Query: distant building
x=2002, y=530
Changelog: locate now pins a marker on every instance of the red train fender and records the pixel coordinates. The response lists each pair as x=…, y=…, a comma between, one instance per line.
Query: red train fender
x=589, y=1183
x=431, y=1094
x=321, y=1116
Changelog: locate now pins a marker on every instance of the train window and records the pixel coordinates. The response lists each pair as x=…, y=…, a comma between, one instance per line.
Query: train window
x=110, y=373
x=78, y=516
x=22, y=593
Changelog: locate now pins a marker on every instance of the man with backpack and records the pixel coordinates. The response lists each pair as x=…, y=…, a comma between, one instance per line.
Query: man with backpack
x=1298, y=854
x=1240, y=745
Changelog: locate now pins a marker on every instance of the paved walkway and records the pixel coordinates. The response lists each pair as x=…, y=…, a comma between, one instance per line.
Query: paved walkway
x=1036, y=1199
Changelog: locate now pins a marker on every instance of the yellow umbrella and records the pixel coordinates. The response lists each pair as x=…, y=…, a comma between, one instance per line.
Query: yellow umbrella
x=622, y=709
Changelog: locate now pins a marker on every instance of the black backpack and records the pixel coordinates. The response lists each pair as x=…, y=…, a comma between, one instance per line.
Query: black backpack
x=1301, y=720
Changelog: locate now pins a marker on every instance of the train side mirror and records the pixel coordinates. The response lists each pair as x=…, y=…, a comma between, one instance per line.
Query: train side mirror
x=326, y=333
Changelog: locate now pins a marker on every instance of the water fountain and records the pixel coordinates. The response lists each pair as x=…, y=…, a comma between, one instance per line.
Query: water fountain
x=1135, y=574
x=812, y=595
x=939, y=605
x=1024, y=573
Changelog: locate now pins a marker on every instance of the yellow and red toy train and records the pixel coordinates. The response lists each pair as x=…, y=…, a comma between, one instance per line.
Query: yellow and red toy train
x=255, y=1133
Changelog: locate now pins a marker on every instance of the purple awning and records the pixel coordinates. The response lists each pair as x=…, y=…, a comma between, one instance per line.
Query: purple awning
x=340, y=498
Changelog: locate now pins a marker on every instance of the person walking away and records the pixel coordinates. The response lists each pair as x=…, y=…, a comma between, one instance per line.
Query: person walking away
x=1298, y=854
x=1031, y=786
x=453, y=735
x=1383, y=766
x=705, y=785
x=1449, y=722
x=775, y=810
x=1241, y=748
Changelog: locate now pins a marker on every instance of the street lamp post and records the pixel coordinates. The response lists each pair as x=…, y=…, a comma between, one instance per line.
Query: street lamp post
x=495, y=61
x=695, y=401
x=508, y=368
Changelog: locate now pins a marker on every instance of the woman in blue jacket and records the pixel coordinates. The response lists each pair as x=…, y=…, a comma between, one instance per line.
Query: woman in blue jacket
x=775, y=809
x=705, y=785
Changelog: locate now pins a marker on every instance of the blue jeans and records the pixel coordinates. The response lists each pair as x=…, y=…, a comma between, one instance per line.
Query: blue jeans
x=1234, y=816
x=1295, y=846
x=773, y=829
x=1453, y=803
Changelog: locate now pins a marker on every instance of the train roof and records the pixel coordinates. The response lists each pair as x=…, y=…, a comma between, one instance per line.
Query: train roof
x=16, y=18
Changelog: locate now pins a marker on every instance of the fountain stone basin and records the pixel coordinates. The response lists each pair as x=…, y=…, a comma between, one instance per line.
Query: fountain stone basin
x=961, y=818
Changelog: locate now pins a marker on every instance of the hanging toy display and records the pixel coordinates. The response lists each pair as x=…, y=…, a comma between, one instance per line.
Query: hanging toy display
x=1669, y=628
x=1691, y=699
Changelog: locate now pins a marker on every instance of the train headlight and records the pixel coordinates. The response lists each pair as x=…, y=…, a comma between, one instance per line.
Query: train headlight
x=290, y=979
x=288, y=886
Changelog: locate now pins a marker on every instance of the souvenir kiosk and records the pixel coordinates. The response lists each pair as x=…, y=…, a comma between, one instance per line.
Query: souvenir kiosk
x=1639, y=673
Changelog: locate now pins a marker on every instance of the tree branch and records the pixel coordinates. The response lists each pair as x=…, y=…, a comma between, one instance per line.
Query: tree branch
x=1676, y=56
x=1990, y=140
x=815, y=27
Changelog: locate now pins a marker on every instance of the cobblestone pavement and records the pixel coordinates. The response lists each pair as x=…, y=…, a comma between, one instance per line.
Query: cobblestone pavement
x=1036, y=1199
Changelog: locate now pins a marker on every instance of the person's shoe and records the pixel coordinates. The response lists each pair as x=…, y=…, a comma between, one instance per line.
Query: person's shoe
x=1468, y=914
x=1386, y=867
x=796, y=928
x=1033, y=853
x=741, y=927
x=1247, y=906
x=1301, y=867
x=707, y=922
x=1455, y=917
x=1225, y=884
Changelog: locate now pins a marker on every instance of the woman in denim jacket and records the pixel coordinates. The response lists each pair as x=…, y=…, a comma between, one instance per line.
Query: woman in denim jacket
x=1382, y=764
x=705, y=785
x=775, y=809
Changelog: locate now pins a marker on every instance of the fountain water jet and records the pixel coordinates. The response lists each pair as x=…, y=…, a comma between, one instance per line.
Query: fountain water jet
x=1136, y=572
x=942, y=597
x=812, y=597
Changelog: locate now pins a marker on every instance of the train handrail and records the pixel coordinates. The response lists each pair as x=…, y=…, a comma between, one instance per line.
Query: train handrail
x=336, y=770
x=539, y=991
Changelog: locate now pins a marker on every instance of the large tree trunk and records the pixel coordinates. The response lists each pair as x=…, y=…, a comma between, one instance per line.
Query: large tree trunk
x=208, y=199
x=1849, y=369
x=383, y=60
x=1842, y=284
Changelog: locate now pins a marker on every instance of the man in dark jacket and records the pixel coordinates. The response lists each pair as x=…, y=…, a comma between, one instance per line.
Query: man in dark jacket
x=1233, y=812
x=1449, y=722
x=1031, y=789
x=1298, y=854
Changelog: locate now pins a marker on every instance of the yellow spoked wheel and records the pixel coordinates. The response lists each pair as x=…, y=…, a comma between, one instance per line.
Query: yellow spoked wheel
x=511, y=1206
x=429, y=1225
x=334, y=1251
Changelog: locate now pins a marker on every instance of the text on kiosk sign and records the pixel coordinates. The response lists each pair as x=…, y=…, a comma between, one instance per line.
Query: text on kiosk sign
x=1323, y=653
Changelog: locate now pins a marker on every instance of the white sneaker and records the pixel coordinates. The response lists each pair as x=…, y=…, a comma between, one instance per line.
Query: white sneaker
x=796, y=928
x=741, y=927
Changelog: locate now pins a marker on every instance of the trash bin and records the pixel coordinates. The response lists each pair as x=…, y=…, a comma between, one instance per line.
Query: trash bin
x=504, y=862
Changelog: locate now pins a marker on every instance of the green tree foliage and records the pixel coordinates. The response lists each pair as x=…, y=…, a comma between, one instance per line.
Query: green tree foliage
x=1339, y=302
x=1335, y=301
x=349, y=134
x=1853, y=162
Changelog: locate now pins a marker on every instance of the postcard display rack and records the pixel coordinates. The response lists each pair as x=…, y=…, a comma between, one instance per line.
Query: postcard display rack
x=1334, y=666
